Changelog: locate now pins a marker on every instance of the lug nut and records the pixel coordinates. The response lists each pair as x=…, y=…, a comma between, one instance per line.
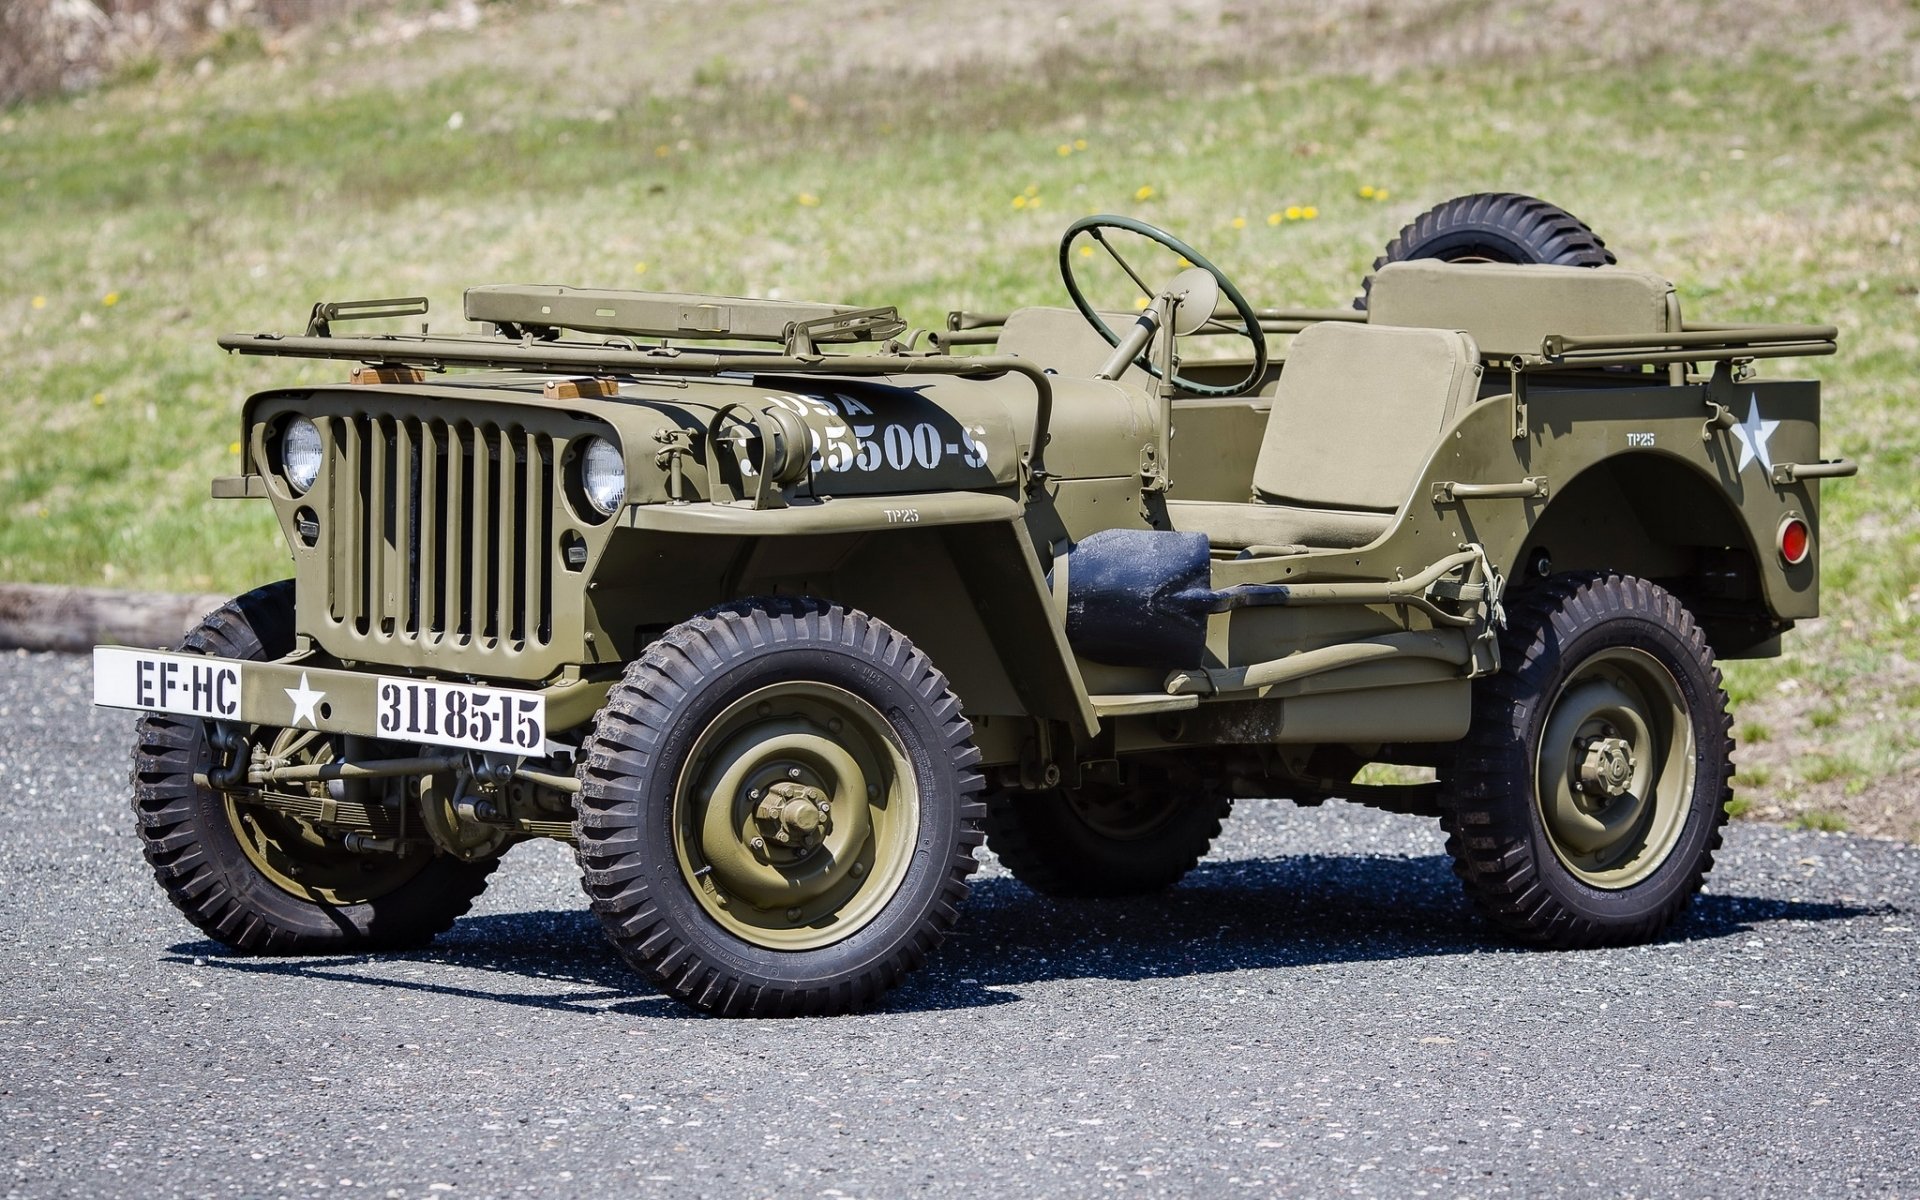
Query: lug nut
x=825, y=807
x=755, y=794
x=793, y=914
x=859, y=869
x=757, y=844
x=793, y=772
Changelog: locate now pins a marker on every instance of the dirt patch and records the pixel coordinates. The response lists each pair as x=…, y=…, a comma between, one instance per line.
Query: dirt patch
x=1825, y=760
x=609, y=54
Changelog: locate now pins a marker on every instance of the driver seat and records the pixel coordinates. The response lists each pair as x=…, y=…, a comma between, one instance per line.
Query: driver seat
x=1358, y=412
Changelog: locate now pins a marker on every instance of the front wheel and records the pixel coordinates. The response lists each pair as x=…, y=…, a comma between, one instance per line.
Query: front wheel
x=261, y=879
x=778, y=809
x=1585, y=804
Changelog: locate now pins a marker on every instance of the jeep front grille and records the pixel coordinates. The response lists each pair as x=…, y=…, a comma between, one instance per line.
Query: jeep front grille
x=443, y=532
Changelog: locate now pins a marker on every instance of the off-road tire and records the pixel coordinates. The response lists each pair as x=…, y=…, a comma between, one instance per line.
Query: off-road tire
x=1502, y=227
x=1046, y=843
x=630, y=770
x=1496, y=831
x=189, y=840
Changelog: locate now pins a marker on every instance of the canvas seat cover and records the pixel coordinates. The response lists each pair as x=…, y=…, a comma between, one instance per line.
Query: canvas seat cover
x=1358, y=411
x=1508, y=309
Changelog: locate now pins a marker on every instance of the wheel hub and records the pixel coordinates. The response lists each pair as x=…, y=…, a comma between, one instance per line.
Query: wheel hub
x=1614, y=771
x=1607, y=769
x=795, y=815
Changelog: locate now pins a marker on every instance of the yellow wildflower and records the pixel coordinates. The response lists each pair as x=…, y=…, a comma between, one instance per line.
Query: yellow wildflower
x=99, y=399
x=1019, y=201
x=1143, y=192
x=1079, y=143
x=110, y=299
x=1064, y=150
x=1033, y=189
x=1036, y=201
x=1293, y=212
x=807, y=200
x=639, y=268
x=233, y=448
x=1239, y=222
x=1309, y=213
x=1140, y=303
x=39, y=301
x=1275, y=218
x=1086, y=252
x=1366, y=191
x=1379, y=193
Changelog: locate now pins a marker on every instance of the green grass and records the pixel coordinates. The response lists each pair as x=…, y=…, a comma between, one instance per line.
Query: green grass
x=1822, y=820
x=1782, y=186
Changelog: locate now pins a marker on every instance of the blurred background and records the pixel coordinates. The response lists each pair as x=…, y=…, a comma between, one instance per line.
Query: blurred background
x=174, y=169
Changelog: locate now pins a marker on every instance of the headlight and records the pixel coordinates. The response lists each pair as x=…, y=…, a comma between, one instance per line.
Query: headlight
x=603, y=476
x=300, y=453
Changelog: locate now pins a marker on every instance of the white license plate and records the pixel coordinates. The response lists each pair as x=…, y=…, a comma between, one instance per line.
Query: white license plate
x=449, y=714
x=174, y=683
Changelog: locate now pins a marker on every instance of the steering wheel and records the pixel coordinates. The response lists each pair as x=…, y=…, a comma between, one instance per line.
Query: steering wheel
x=1249, y=318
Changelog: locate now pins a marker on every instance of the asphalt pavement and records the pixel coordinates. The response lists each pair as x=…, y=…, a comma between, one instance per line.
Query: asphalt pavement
x=1316, y=1011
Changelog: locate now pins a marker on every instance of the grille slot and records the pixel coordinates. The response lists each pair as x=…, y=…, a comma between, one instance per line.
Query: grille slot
x=443, y=531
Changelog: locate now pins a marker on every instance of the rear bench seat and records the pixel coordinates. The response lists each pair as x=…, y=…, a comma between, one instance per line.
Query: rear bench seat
x=1509, y=309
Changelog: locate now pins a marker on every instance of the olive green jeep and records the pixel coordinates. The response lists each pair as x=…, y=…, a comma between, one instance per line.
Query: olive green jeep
x=775, y=610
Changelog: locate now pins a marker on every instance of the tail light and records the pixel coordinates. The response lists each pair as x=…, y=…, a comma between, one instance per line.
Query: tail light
x=1796, y=540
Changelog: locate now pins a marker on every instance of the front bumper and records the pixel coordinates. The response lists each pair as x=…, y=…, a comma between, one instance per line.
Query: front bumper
x=292, y=695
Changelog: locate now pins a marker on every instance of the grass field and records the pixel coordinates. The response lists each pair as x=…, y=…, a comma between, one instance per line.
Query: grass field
x=888, y=155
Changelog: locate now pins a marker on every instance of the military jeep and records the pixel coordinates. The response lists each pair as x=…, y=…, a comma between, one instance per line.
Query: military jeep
x=775, y=610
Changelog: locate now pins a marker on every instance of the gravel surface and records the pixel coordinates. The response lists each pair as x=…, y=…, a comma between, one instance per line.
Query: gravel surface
x=1314, y=1012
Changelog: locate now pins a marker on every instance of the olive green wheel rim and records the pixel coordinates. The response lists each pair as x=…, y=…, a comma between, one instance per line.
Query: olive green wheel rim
x=296, y=857
x=1614, y=774
x=1122, y=814
x=795, y=818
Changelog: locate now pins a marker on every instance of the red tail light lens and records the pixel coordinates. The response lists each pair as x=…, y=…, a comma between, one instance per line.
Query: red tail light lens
x=1796, y=540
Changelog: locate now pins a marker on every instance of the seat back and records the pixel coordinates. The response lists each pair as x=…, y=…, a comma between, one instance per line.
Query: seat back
x=1510, y=308
x=1060, y=338
x=1358, y=410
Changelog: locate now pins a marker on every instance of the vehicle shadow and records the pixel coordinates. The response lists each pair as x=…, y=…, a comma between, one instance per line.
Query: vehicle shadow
x=1247, y=914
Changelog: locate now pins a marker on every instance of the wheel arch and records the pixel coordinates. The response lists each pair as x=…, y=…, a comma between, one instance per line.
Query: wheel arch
x=970, y=595
x=1664, y=518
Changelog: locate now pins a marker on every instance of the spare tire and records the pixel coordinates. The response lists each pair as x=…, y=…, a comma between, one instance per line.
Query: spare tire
x=1501, y=227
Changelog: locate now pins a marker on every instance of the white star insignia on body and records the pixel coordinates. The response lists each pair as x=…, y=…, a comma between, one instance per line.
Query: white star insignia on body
x=304, y=698
x=1753, y=434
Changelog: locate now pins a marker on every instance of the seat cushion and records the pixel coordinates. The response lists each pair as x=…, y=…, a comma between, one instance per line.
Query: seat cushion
x=1237, y=526
x=1510, y=308
x=1358, y=411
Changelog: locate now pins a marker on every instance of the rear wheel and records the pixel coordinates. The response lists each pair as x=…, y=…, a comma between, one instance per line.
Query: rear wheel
x=778, y=810
x=1494, y=227
x=259, y=879
x=1585, y=804
x=1104, y=840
